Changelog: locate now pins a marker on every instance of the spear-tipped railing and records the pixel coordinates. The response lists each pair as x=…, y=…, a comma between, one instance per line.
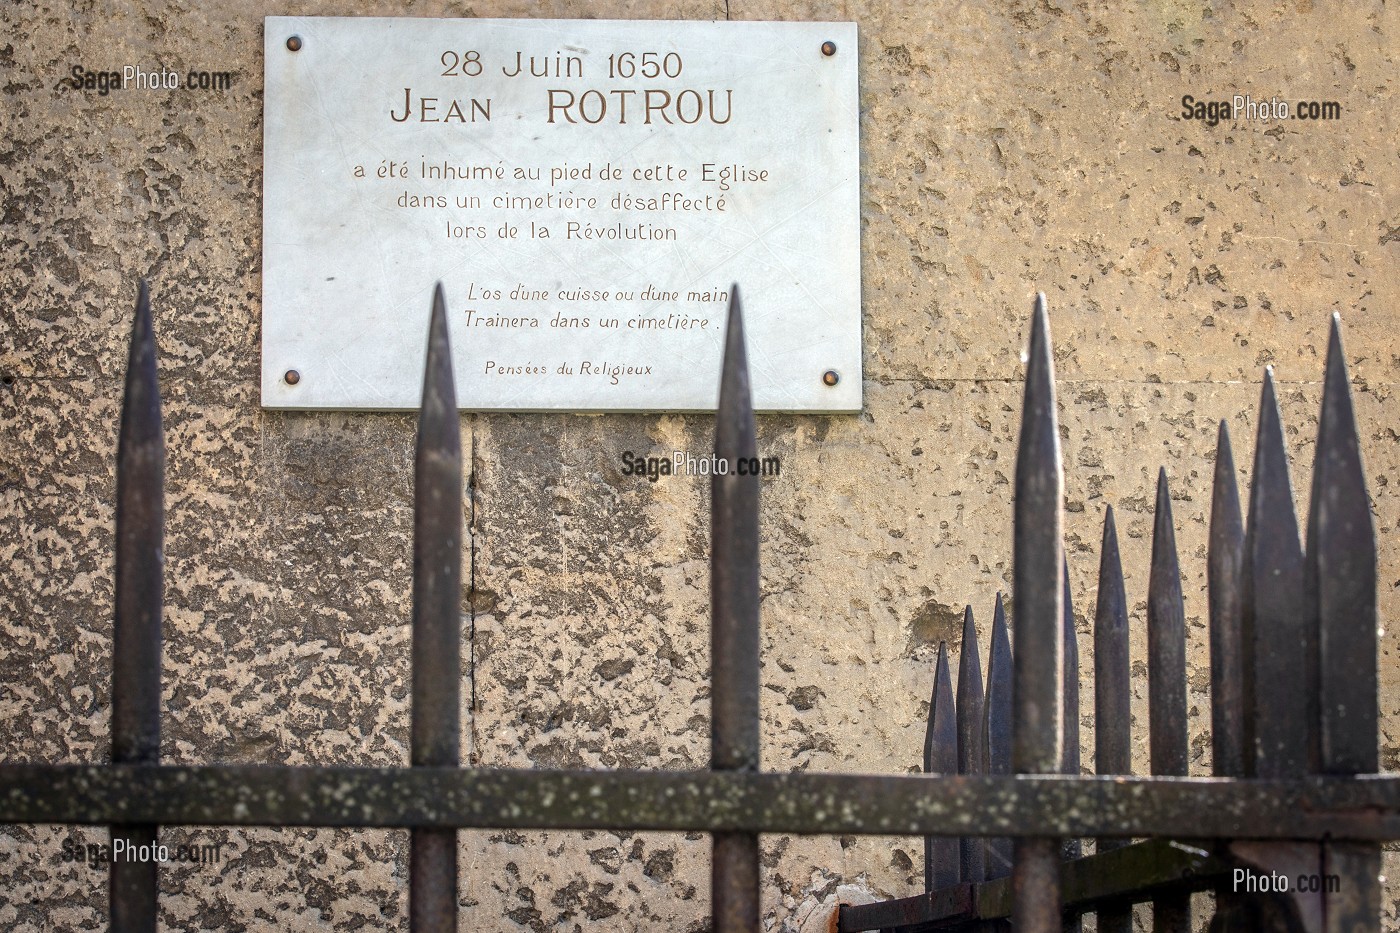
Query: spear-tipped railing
x=734, y=724
x=1293, y=688
x=942, y=855
x=136, y=626
x=1286, y=799
x=437, y=622
x=972, y=856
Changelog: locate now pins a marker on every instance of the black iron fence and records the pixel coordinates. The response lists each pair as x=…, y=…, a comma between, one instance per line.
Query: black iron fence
x=1293, y=694
x=1293, y=637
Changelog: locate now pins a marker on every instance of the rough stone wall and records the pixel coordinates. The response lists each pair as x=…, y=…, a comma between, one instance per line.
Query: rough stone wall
x=1006, y=147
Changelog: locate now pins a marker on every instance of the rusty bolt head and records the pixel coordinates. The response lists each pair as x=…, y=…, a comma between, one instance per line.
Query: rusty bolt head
x=831, y=377
x=828, y=48
x=294, y=43
x=291, y=377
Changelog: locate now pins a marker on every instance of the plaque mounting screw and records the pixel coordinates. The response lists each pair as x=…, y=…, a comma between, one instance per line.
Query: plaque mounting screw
x=831, y=377
x=294, y=43
x=828, y=48
x=291, y=377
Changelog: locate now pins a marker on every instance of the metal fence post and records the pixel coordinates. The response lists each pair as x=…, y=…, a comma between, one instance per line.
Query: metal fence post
x=941, y=853
x=437, y=624
x=1166, y=675
x=136, y=627
x=1341, y=593
x=972, y=863
x=734, y=638
x=1113, y=717
x=1038, y=660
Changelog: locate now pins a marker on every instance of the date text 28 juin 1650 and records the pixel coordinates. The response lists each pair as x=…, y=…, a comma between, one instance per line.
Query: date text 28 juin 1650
x=648, y=105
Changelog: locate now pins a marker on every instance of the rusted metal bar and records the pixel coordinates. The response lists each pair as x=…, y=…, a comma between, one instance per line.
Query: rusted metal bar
x=1037, y=730
x=972, y=857
x=1341, y=593
x=1070, y=848
x=1166, y=680
x=734, y=633
x=437, y=626
x=136, y=626
x=1108, y=878
x=996, y=730
x=1278, y=639
x=1224, y=569
x=1362, y=808
x=941, y=757
x=1113, y=753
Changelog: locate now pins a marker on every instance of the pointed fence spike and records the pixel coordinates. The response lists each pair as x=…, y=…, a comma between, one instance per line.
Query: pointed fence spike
x=734, y=628
x=1037, y=735
x=1224, y=572
x=1166, y=680
x=1341, y=581
x=139, y=591
x=140, y=540
x=1279, y=644
x=1341, y=576
x=969, y=699
x=1112, y=695
x=437, y=557
x=734, y=564
x=1038, y=586
x=1224, y=575
x=996, y=731
x=972, y=862
x=941, y=757
x=437, y=627
x=1166, y=644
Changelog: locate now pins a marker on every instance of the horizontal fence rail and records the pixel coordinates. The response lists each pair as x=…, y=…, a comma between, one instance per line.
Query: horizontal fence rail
x=1365, y=808
x=1003, y=805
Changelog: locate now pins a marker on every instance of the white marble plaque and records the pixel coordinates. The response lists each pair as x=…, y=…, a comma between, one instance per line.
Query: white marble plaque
x=585, y=190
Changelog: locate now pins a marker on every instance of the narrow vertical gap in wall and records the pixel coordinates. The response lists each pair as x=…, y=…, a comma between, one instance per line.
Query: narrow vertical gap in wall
x=474, y=756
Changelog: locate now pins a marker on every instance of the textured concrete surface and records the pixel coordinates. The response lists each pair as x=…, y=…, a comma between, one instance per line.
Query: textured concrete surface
x=1006, y=148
